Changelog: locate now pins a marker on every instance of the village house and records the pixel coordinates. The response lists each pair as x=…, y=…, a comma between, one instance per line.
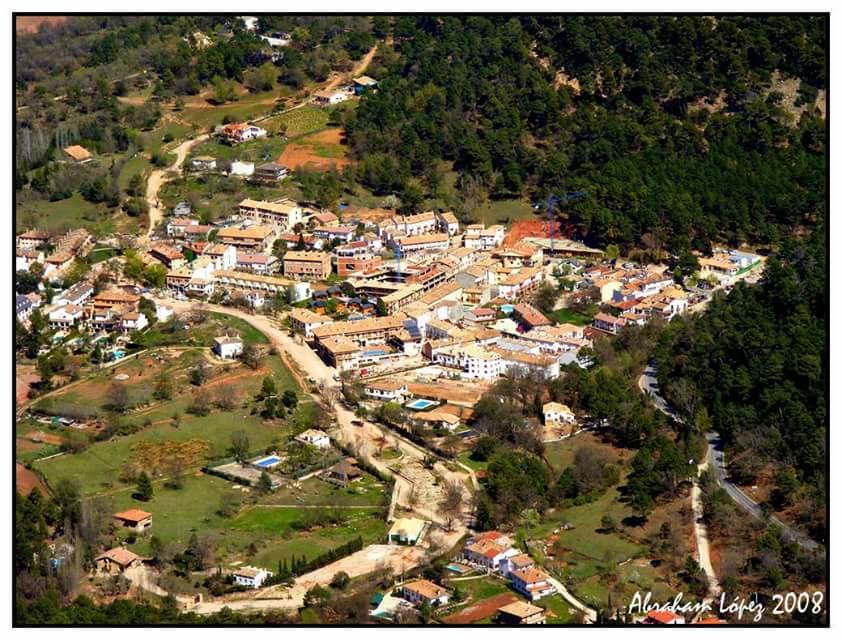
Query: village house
x=307, y=265
x=222, y=256
x=556, y=413
x=325, y=219
x=520, y=282
x=203, y=163
x=77, y=154
x=176, y=227
x=315, y=438
x=532, y=583
x=32, y=239
x=168, y=255
x=133, y=321
x=477, y=236
x=447, y=222
x=256, y=238
x=77, y=294
x=406, y=531
x=237, y=132
x=343, y=472
x=515, y=563
x=241, y=169
x=117, y=560
x=425, y=592
x=427, y=242
x=339, y=352
x=256, y=262
x=251, y=577
x=113, y=298
x=303, y=321
x=270, y=172
x=227, y=346
x=659, y=617
x=23, y=308
x=325, y=98
x=529, y=317
x=359, y=264
x=386, y=390
x=362, y=332
x=521, y=613
x=438, y=419
x=608, y=323
x=25, y=258
x=488, y=554
x=134, y=519
x=363, y=84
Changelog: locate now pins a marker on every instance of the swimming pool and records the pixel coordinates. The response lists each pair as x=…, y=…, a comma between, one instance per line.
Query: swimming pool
x=507, y=309
x=268, y=462
x=421, y=404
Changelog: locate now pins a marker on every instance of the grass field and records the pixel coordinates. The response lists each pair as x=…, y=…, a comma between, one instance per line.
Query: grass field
x=557, y=610
x=503, y=211
x=216, y=196
x=297, y=122
x=465, y=458
x=138, y=164
x=257, y=151
x=367, y=491
x=480, y=588
x=153, y=141
x=69, y=213
x=247, y=106
x=202, y=335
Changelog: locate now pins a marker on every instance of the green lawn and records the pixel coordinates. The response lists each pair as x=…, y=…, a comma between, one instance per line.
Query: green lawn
x=563, y=316
x=476, y=465
x=558, y=610
x=480, y=588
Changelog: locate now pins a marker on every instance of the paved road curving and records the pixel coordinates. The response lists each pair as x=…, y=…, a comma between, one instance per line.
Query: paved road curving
x=649, y=385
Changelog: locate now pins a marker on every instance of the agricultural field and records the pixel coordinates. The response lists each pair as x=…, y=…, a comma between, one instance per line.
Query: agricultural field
x=297, y=122
x=167, y=134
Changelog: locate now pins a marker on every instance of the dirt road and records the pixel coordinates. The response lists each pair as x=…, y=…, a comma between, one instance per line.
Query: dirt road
x=159, y=177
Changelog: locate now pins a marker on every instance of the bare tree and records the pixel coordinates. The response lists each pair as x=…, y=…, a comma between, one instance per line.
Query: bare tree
x=451, y=505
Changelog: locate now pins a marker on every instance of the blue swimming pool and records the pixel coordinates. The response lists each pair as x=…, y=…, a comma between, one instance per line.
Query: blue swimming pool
x=421, y=404
x=268, y=462
x=507, y=309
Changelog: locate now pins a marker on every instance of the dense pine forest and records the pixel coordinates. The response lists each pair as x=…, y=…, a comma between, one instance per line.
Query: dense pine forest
x=664, y=122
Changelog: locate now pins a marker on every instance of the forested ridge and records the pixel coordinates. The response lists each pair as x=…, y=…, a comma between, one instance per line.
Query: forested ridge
x=612, y=106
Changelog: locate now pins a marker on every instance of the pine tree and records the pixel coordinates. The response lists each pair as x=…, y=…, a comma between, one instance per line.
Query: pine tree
x=144, y=488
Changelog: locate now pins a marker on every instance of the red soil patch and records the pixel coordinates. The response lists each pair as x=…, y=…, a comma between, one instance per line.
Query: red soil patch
x=26, y=446
x=46, y=438
x=529, y=229
x=369, y=215
x=31, y=24
x=27, y=480
x=481, y=610
x=304, y=153
x=24, y=377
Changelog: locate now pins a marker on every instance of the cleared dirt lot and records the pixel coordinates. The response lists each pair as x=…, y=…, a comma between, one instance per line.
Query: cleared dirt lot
x=322, y=151
x=374, y=557
x=24, y=376
x=481, y=610
x=26, y=480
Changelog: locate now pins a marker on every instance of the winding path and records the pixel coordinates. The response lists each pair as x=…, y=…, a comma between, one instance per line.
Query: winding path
x=159, y=177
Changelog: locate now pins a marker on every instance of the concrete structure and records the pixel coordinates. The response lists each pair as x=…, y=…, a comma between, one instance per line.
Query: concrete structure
x=284, y=214
x=406, y=531
x=227, y=346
